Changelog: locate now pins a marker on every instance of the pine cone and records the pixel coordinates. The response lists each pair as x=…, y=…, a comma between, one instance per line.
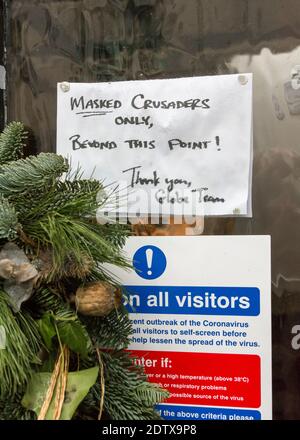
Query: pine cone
x=97, y=299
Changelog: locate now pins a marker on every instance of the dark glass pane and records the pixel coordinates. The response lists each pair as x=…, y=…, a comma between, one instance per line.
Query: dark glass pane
x=100, y=40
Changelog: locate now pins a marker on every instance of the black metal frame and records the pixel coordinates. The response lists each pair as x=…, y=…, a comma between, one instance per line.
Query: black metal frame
x=2, y=61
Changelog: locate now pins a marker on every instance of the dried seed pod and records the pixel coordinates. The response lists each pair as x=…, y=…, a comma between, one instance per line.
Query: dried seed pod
x=6, y=268
x=97, y=299
x=25, y=272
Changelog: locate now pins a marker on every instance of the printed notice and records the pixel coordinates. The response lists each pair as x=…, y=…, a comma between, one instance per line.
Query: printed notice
x=200, y=309
x=173, y=146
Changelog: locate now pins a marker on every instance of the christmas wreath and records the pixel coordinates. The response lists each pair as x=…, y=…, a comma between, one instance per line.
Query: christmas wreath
x=63, y=328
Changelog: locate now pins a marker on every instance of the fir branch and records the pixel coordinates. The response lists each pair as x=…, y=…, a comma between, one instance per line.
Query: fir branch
x=30, y=330
x=149, y=394
x=77, y=197
x=128, y=394
x=72, y=331
x=59, y=228
x=12, y=409
x=111, y=332
x=45, y=300
x=123, y=401
x=35, y=173
x=115, y=233
x=9, y=224
x=20, y=353
x=12, y=142
x=73, y=198
x=75, y=243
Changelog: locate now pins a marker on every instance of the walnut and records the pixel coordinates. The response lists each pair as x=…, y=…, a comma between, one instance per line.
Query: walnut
x=97, y=299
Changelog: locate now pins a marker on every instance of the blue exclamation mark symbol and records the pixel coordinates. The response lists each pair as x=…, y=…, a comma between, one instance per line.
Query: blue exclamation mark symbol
x=149, y=262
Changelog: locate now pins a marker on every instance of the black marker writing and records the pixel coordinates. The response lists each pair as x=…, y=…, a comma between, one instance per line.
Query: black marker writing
x=136, y=143
x=78, y=144
x=133, y=120
x=177, y=181
x=199, y=145
x=139, y=102
x=137, y=179
x=207, y=198
x=164, y=197
x=93, y=104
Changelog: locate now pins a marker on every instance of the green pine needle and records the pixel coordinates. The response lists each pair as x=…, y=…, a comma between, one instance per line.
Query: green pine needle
x=73, y=198
x=20, y=352
x=59, y=233
x=35, y=173
x=12, y=409
x=12, y=142
x=128, y=395
x=111, y=332
x=9, y=223
x=44, y=300
x=76, y=244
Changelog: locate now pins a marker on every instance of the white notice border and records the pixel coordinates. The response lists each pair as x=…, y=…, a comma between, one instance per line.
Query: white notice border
x=174, y=146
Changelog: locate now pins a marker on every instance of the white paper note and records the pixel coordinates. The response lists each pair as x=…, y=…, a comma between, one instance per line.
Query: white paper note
x=174, y=146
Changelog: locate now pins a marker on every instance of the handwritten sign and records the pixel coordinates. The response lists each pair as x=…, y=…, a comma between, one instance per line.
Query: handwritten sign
x=172, y=146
